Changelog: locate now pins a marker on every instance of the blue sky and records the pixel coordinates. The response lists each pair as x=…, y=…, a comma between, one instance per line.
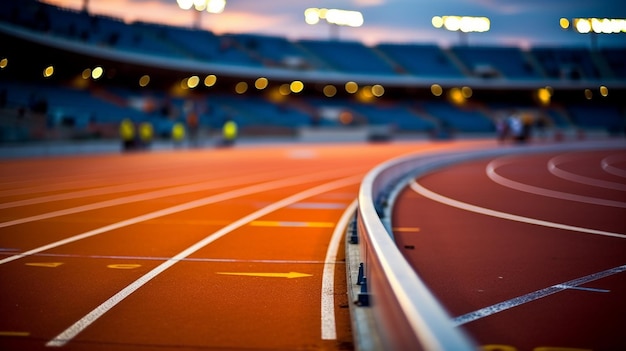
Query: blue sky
x=521, y=23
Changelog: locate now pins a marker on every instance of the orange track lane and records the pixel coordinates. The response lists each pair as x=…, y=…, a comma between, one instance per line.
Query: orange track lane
x=145, y=251
x=521, y=285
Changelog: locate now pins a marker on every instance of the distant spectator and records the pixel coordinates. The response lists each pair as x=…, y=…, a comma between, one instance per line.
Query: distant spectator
x=178, y=133
x=516, y=127
x=127, y=134
x=146, y=133
x=229, y=132
x=502, y=128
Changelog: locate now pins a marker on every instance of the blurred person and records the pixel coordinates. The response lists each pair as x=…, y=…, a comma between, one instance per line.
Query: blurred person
x=502, y=128
x=146, y=133
x=127, y=134
x=178, y=133
x=229, y=132
x=516, y=127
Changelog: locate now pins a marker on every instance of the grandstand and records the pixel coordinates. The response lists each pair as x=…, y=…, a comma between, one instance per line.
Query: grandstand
x=587, y=87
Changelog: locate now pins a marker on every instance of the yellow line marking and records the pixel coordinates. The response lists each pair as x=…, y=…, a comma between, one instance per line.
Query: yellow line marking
x=406, y=229
x=44, y=264
x=292, y=224
x=13, y=333
x=289, y=275
x=124, y=266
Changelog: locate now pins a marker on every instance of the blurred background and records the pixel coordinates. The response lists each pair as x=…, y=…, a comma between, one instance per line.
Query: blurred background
x=177, y=73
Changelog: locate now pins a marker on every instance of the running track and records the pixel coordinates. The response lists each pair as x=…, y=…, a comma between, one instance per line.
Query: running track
x=526, y=252
x=209, y=249
x=190, y=249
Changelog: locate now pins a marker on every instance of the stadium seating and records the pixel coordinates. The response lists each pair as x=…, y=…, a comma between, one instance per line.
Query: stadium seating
x=349, y=57
x=421, y=60
x=567, y=63
x=459, y=119
x=425, y=63
x=504, y=62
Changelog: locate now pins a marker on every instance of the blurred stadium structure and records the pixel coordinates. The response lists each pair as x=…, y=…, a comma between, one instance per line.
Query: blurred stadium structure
x=66, y=74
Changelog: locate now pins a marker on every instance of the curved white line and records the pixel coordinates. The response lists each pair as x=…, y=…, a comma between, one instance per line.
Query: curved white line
x=418, y=188
x=493, y=175
x=607, y=167
x=553, y=167
x=76, y=328
x=329, y=329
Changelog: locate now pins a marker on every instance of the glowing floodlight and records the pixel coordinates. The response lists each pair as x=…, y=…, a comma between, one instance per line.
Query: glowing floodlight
x=212, y=6
x=334, y=16
x=594, y=26
x=216, y=6
x=464, y=24
x=600, y=25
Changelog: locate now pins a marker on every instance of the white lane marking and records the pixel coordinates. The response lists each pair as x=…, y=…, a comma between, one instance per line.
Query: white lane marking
x=491, y=173
x=329, y=329
x=71, y=332
x=553, y=167
x=502, y=306
x=488, y=212
x=106, y=190
x=177, y=190
x=171, y=210
x=607, y=165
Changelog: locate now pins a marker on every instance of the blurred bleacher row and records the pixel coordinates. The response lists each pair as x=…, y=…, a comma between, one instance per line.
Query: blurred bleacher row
x=35, y=108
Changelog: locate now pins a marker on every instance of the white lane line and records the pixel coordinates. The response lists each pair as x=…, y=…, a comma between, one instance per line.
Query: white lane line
x=71, y=332
x=553, y=167
x=503, y=306
x=177, y=190
x=103, y=190
x=171, y=210
x=488, y=212
x=494, y=176
x=607, y=165
x=329, y=329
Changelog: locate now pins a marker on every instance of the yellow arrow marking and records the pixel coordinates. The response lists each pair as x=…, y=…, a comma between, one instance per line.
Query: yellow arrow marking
x=406, y=229
x=44, y=264
x=13, y=333
x=292, y=224
x=271, y=275
x=124, y=266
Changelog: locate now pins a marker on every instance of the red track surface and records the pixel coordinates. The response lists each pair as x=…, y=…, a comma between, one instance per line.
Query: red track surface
x=144, y=251
x=510, y=283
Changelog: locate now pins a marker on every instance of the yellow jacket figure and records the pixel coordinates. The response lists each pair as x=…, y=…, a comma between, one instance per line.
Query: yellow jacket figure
x=229, y=132
x=127, y=134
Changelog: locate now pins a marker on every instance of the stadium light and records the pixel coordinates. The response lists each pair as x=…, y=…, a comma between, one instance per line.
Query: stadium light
x=334, y=17
x=462, y=24
x=210, y=6
x=594, y=26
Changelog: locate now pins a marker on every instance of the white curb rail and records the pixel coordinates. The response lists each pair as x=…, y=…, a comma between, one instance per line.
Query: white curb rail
x=406, y=315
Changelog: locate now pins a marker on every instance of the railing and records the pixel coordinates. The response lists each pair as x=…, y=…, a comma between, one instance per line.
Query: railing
x=406, y=314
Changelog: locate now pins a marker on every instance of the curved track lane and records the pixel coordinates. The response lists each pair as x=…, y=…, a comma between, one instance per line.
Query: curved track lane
x=190, y=250
x=527, y=252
